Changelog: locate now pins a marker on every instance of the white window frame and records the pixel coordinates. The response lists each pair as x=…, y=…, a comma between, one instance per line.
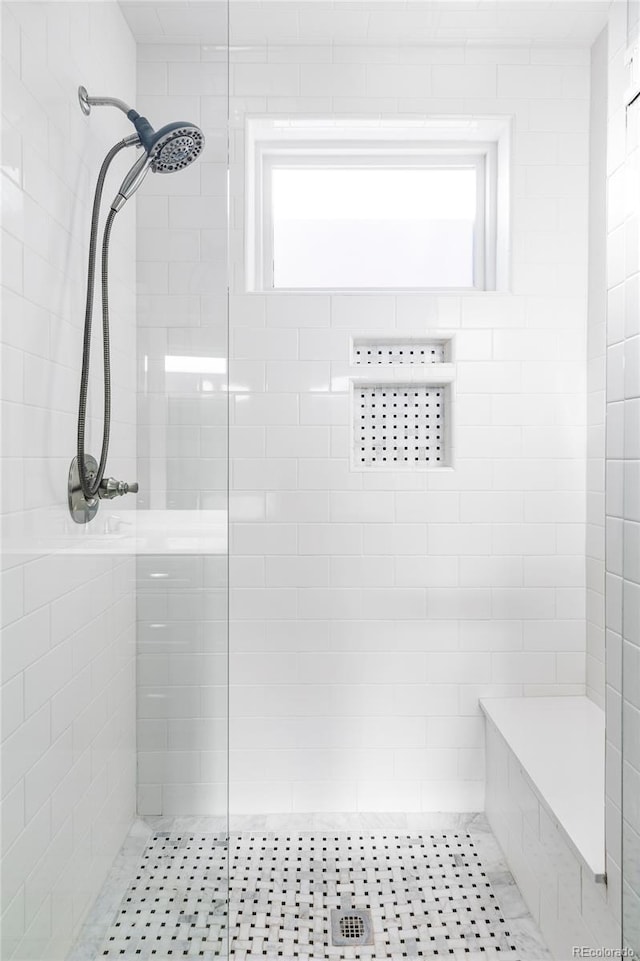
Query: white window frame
x=266, y=154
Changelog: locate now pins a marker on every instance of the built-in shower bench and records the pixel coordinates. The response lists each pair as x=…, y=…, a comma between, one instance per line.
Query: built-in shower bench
x=559, y=744
x=545, y=804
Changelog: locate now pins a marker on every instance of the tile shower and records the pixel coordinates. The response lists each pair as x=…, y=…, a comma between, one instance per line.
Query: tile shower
x=219, y=749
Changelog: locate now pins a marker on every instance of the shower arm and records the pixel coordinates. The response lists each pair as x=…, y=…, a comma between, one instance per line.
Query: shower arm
x=145, y=132
x=87, y=102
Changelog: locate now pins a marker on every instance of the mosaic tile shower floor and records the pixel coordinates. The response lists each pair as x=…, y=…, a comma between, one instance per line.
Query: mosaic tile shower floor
x=432, y=894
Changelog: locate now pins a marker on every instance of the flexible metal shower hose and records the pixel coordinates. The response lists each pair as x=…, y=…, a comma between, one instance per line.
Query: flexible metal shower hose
x=90, y=486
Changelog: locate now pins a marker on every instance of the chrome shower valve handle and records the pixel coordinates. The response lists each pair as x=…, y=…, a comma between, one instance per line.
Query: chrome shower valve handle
x=110, y=488
x=83, y=509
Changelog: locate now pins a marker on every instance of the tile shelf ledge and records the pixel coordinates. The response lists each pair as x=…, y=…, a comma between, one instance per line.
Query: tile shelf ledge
x=117, y=532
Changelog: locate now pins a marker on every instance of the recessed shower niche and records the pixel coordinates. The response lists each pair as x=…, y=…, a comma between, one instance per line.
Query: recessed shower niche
x=406, y=352
x=403, y=420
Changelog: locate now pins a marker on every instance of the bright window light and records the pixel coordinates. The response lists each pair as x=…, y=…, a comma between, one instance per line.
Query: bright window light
x=375, y=226
x=174, y=364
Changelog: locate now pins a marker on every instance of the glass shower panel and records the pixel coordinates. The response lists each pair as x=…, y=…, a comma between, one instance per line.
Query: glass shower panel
x=633, y=20
x=631, y=574
x=182, y=469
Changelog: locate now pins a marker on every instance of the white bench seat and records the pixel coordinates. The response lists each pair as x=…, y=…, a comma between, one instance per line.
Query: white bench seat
x=560, y=744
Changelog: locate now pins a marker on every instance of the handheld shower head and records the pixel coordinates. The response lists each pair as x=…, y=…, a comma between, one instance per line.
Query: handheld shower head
x=173, y=147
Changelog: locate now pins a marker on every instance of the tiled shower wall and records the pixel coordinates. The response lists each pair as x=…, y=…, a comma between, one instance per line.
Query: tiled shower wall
x=68, y=649
x=623, y=484
x=371, y=610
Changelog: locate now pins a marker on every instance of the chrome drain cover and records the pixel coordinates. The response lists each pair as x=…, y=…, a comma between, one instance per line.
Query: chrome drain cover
x=351, y=926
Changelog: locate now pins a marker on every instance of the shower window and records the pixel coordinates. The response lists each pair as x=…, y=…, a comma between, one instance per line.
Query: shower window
x=330, y=213
x=376, y=225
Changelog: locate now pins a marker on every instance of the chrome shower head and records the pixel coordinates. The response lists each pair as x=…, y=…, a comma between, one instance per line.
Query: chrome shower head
x=175, y=146
x=172, y=147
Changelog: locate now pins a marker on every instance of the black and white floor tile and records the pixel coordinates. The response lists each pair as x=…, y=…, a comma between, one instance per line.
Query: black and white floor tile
x=429, y=893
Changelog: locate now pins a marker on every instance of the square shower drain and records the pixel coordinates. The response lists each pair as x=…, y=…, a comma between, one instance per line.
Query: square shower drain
x=351, y=927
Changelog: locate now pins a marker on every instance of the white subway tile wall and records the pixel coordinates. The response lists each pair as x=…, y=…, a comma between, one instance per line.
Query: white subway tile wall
x=182, y=684
x=68, y=650
x=382, y=605
x=418, y=597
x=622, y=577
